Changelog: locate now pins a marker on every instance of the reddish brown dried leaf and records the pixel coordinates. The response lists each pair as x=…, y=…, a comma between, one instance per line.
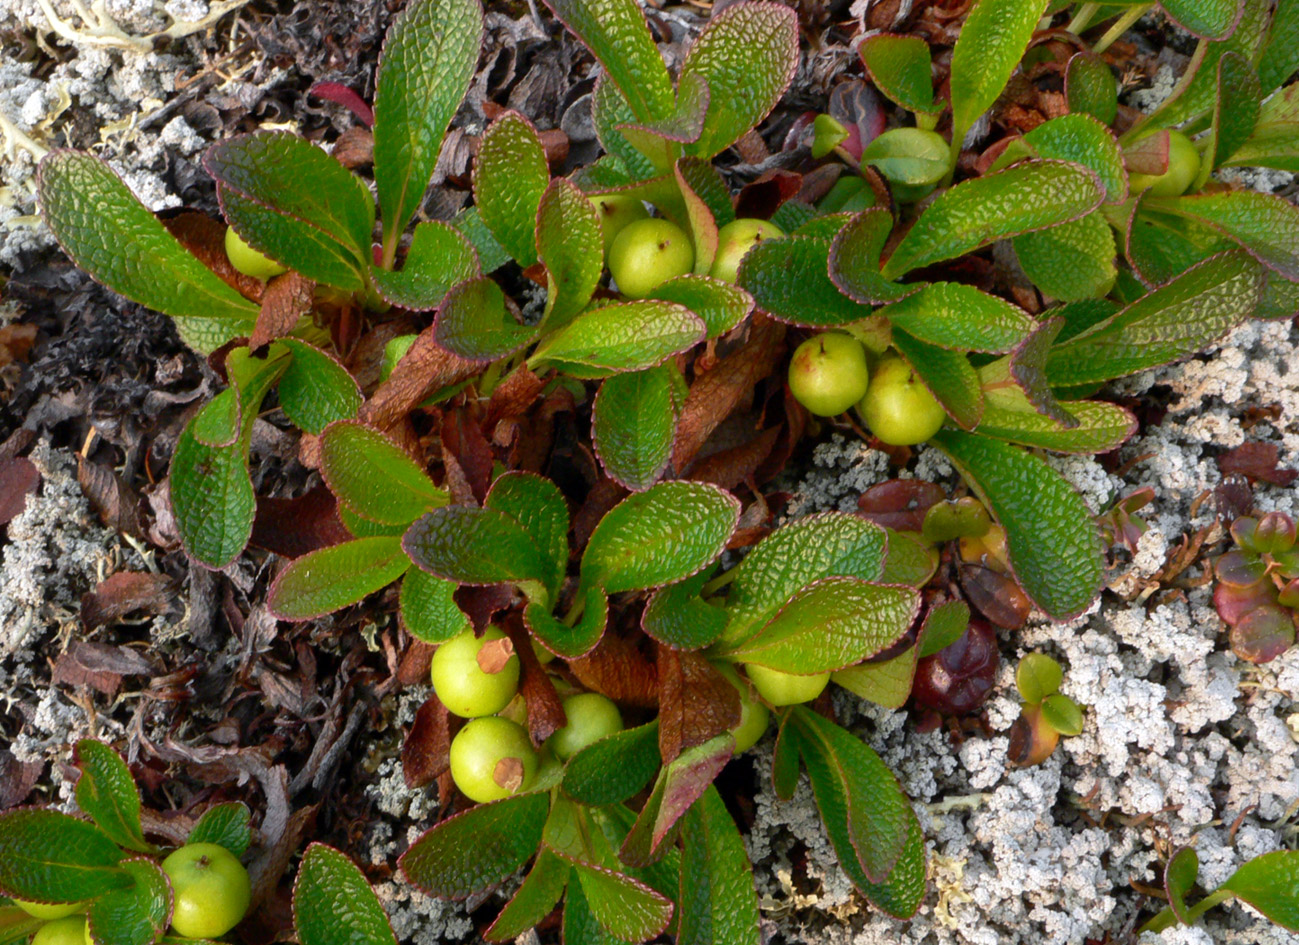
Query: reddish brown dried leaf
x=545, y=710
x=98, y=666
x=288, y=297
x=16, y=342
x=18, y=477
x=415, y=662
x=425, y=368
x=713, y=396
x=731, y=467
x=762, y=197
x=618, y=669
x=696, y=703
x=1257, y=461
x=462, y=437
x=900, y=504
x=17, y=778
x=355, y=148
x=118, y=504
x=294, y=527
x=603, y=496
x=426, y=752
x=482, y=603
x=512, y=397
x=125, y=593
x=206, y=239
x=995, y=595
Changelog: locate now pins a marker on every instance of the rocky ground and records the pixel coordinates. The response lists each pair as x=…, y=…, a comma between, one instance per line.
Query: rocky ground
x=1183, y=743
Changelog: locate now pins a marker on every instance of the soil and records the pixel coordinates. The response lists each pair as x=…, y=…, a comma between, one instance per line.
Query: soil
x=107, y=630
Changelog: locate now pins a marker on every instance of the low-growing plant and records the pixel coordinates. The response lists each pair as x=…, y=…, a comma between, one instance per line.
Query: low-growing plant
x=1045, y=714
x=1257, y=593
x=102, y=878
x=1266, y=883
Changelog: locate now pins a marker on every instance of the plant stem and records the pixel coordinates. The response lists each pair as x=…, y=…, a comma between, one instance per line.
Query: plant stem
x=717, y=583
x=575, y=612
x=1121, y=26
x=1083, y=18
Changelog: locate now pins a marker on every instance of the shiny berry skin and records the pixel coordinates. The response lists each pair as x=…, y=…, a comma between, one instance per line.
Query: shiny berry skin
x=211, y=890
x=492, y=758
x=957, y=679
x=70, y=930
x=249, y=261
x=591, y=717
x=45, y=910
x=475, y=676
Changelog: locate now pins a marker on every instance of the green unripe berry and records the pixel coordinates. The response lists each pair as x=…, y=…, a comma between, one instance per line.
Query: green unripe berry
x=828, y=373
x=648, y=253
x=1183, y=168
x=785, y=688
x=70, y=930
x=734, y=240
x=754, y=716
x=492, y=758
x=248, y=260
x=898, y=408
x=615, y=212
x=211, y=890
x=49, y=910
x=475, y=676
x=591, y=717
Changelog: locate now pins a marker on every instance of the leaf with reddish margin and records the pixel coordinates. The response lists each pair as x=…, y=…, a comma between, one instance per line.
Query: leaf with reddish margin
x=1030, y=196
x=578, y=640
x=901, y=67
x=107, y=792
x=427, y=607
x=661, y=141
x=473, y=323
x=1265, y=225
x=1090, y=87
x=680, y=783
x=991, y=44
x=678, y=617
x=854, y=261
x=614, y=768
x=374, y=477
x=610, y=113
x=135, y=915
x=425, y=68
x=477, y=546
x=696, y=702
x=440, y=256
x=703, y=225
x=789, y=278
x=333, y=902
x=571, y=247
x=626, y=908
x=1279, y=58
x=960, y=317
x=1207, y=19
x=884, y=682
x=510, y=177
x=1072, y=261
x=719, y=905
x=633, y=421
x=330, y=579
x=720, y=305
x=49, y=856
x=1270, y=883
x=477, y=849
x=315, y=390
x=291, y=242
x=1235, y=113
x=747, y=54
x=948, y=376
x=1086, y=141
x=1099, y=427
x=625, y=336
x=535, y=898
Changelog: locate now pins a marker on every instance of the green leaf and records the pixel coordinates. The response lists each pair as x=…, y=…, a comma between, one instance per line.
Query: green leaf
x=833, y=544
x=627, y=909
x=665, y=534
x=831, y=623
x=788, y=278
x=886, y=683
x=290, y=241
x=720, y=305
x=510, y=177
x=16, y=926
x=1072, y=261
x=330, y=579
x=1270, y=883
x=226, y=825
x=110, y=235
x=374, y=477
x=633, y=421
x=864, y=811
x=1279, y=59
x=615, y=768
x=708, y=185
x=681, y=782
x=912, y=157
x=948, y=375
x=1062, y=714
x=616, y=33
x=901, y=67
x=570, y=244
x=1101, y=426
x=1267, y=226
x=610, y=112
x=290, y=175
x=747, y=54
x=107, y=792
x=1053, y=542
x=427, y=64
x=474, y=323
x=992, y=42
x=439, y=257
x=1208, y=19
x=537, y=504
x=315, y=390
x=1271, y=145
x=701, y=223
x=1179, y=877
x=957, y=316
x=136, y=914
x=678, y=617
x=476, y=546
x=943, y=626
x=626, y=336
x=1235, y=113
x=1029, y=196
x=1086, y=141
x=563, y=640
x=855, y=259
x=1090, y=87
x=1280, y=298
x=477, y=849
x=661, y=140
x=579, y=924
x=901, y=894
x=333, y=903
x=211, y=491
x=909, y=561
x=538, y=894
x=1162, y=247
x=1169, y=323
x=785, y=760
x=428, y=609
x=718, y=903
x=469, y=224
x=47, y=856
x=1038, y=676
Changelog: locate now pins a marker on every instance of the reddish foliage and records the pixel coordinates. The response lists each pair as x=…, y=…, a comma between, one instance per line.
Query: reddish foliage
x=294, y=527
x=1257, y=461
x=426, y=752
x=545, y=711
x=98, y=666
x=206, y=239
x=287, y=298
x=124, y=593
x=18, y=477
x=696, y=703
x=618, y=669
x=900, y=504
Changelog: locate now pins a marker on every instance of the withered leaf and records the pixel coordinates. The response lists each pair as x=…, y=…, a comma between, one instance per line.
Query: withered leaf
x=1257, y=461
x=415, y=662
x=696, y=703
x=425, y=368
x=900, y=504
x=545, y=710
x=124, y=593
x=294, y=527
x=995, y=595
x=463, y=439
x=98, y=666
x=18, y=477
x=287, y=298
x=761, y=198
x=118, y=504
x=206, y=239
x=731, y=467
x=618, y=669
x=426, y=752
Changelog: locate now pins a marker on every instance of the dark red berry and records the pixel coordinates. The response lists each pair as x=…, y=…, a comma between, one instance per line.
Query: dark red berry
x=956, y=679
